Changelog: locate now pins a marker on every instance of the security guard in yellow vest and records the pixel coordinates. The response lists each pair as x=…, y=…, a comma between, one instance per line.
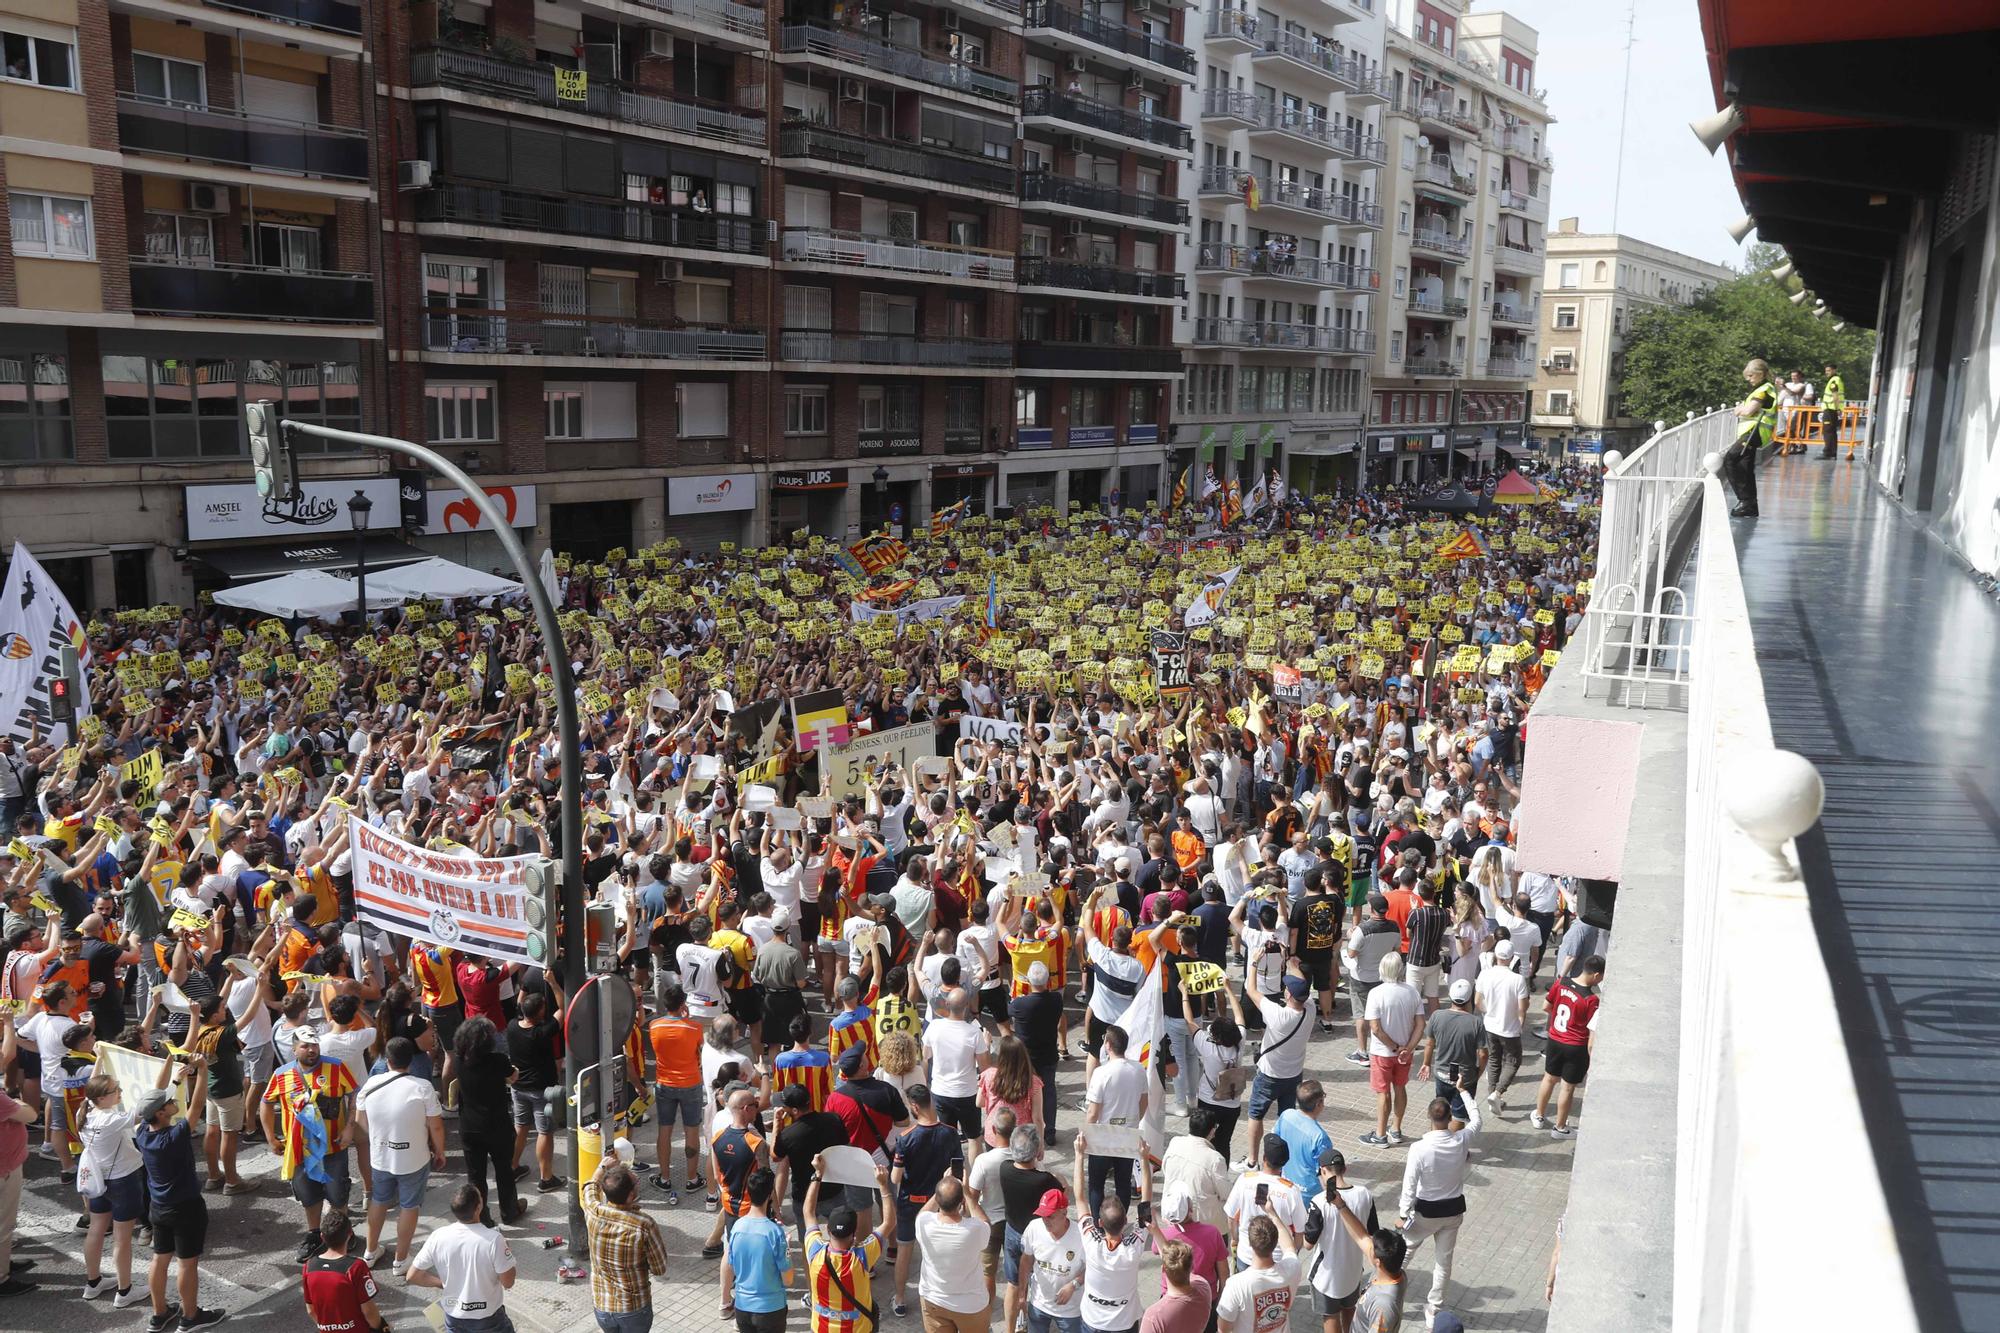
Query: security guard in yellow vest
x=1832, y=399
x=1758, y=417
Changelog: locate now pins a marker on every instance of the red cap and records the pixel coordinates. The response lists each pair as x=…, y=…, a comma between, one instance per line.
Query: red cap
x=1053, y=1202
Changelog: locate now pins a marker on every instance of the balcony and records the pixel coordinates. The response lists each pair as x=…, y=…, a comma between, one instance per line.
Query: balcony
x=528, y=81
x=841, y=46
x=1516, y=315
x=1091, y=114
x=1107, y=35
x=563, y=215
x=1098, y=358
x=1301, y=54
x=1443, y=116
x=740, y=26
x=1510, y=368
x=249, y=291
x=1510, y=258
x=895, y=349
x=1517, y=141
x=528, y=332
x=1527, y=205
x=1438, y=175
x=1435, y=307
x=1431, y=365
x=938, y=166
x=1436, y=241
x=1315, y=203
x=1302, y=124
x=1369, y=90
x=1045, y=187
x=231, y=138
x=326, y=15
x=1233, y=31
x=1097, y=279
x=880, y=254
x=1254, y=261
x=1270, y=336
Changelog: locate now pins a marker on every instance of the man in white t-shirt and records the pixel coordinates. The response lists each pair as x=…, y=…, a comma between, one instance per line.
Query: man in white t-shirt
x=1394, y=1015
x=956, y=1047
x=1501, y=999
x=1266, y=1185
x=1259, y=1297
x=1116, y=1096
x=1052, y=1260
x=951, y=1235
x=698, y=963
x=404, y=1121
x=472, y=1264
x=1341, y=1269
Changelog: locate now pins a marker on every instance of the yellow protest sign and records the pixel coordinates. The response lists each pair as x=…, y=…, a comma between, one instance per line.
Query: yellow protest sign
x=1203, y=978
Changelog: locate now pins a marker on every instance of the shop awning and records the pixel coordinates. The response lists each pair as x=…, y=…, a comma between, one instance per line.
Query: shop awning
x=306, y=594
x=440, y=578
x=330, y=552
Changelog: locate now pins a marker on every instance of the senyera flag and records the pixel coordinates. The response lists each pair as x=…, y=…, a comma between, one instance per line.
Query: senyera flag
x=475, y=904
x=820, y=719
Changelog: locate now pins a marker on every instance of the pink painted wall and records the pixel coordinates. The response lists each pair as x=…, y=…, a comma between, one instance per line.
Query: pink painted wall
x=1576, y=796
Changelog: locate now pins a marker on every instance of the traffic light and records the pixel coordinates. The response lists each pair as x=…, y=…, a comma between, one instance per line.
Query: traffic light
x=65, y=687
x=541, y=902
x=270, y=453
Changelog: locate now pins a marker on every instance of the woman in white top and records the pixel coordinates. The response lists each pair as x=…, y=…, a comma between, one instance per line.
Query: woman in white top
x=1470, y=931
x=112, y=1179
x=1219, y=1049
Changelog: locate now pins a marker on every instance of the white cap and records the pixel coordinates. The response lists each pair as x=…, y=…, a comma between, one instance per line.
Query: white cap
x=781, y=917
x=1504, y=950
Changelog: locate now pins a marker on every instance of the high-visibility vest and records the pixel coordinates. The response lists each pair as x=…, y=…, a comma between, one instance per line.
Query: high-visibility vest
x=1765, y=423
x=1834, y=396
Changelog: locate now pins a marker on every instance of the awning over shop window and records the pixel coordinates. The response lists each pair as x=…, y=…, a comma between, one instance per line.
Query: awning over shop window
x=262, y=562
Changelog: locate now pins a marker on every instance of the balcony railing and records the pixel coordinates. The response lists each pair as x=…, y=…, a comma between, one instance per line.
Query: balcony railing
x=1269, y=335
x=530, y=81
x=876, y=53
x=1234, y=25
x=1517, y=315
x=1430, y=238
x=249, y=291
x=1510, y=368
x=1108, y=358
x=1341, y=209
x=1088, y=111
x=1048, y=188
x=1441, y=175
x=1259, y=261
x=1517, y=258
x=1431, y=109
x=852, y=249
x=746, y=21
x=326, y=15
x=518, y=332
x=895, y=349
x=1299, y=122
x=895, y=156
x=1516, y=140
x=1315, y=55
x=1041, y=271
x=1437, y=306
x=231, y=138
x=648, y=224
x=1430, y=365
x=1110, y=34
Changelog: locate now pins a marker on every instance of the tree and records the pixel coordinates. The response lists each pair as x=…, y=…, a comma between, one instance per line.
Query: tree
x=1681, y=359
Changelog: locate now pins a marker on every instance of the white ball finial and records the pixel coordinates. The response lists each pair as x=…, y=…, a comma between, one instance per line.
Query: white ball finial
x=1659, y=427
x=1612, y=458
x=1712, y=464
x=1690, y=415
x=1773, y=796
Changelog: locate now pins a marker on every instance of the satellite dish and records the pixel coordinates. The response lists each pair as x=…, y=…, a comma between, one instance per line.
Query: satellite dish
x=1423, y=141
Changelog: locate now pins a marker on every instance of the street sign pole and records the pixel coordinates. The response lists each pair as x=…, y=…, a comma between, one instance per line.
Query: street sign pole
x=570, y=800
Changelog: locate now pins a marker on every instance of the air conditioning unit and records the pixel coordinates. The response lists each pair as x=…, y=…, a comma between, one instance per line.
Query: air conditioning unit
x=206, y=198
x=850, y=90
x=659, y=43
x=951, y=20
x=1135, y=80
x=668, y=270
x=1076, y=63
x=1074, y=227
x=1139, y=7
x=1073, y=143
x=413, y=175
x=1548, y=363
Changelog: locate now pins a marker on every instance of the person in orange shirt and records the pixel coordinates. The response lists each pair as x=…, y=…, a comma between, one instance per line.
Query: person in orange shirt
x=677, y=1089
x=1402, y=901
x=1187, y=844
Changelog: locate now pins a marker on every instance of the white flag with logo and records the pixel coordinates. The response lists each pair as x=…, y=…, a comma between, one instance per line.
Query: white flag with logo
x=1145, y=1024
x=1208, y=602
x=35, y=621
x=1256, y=498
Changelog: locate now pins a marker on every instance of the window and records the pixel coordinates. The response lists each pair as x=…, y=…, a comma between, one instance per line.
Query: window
x=701, y=301
x=1562, y=360
x=51, y=226
x=1570, y=275
x=592, y=410
x=459, y=295
x=173, y=82
x=884, y=313
x=47, y=61
x=1395, y=345
x=565, y=410
x=35, y=409
x=701, y=409
x=734, y=200
x=1089, y=405
x=179, y=238
x=186, y=408
x=282, y=245
x=808, y=307
x=964, y=410
x=888, y=408
x=1565, y=317
x=805, y=409
x=1031, y=405
x=1402, y=280
x=459, y=411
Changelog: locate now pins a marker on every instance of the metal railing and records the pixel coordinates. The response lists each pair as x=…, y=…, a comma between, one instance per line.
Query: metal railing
x=1314, y=54
x=743, y=20
x=1108, y=357
x=1336, y=207
x=1517, y=258
x=1233, y=25
x=1441, y=175
x=1743, y=1178
x=1076, y=275
x=1430, y=365
x=327, y=15
x=894, y=349
x=1089, y=112
x=860, y=48
x=1429, y=108
x=1259, y=261
x=1517, y=140
x=250, y=291
x=853, y=249
x=516, y=332
x=1509, y=367
x=1110, y=34
x=1430, y=238
x=1442, y=307
x=896, y=156
x=168, y=128
x=1271, y=335
x=1047, y=187
x=1522, y=314
x=562, y=215
x=531, y=81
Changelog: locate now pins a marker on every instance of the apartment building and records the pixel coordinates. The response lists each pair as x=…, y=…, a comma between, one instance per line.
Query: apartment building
x=1284, y=285
x=1592, y=286
x=1466, y=194
x=191, y=210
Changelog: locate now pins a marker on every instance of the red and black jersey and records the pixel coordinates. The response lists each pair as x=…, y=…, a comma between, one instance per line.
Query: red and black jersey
x=1572, y=1009
x=336, y=1289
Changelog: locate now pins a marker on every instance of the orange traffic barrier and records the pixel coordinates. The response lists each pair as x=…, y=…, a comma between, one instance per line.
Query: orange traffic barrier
x=1799, y=427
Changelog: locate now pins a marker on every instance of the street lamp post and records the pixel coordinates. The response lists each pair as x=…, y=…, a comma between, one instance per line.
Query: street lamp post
x=880, y=476
x=357, y=514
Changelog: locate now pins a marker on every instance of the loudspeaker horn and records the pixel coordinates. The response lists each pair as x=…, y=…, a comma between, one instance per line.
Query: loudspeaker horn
x=1783, y=271
x=1713, y=130
x=1741, y=228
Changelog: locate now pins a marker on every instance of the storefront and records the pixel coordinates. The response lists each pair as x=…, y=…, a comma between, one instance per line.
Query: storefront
x=1323, y=463
x=235, y=535
x=588, y=529
x=447, y=523
x=1472, y=452
x=1031, y=490
x=952, y=482
x=808, y=499
x=707, y=509
x=1407, y=457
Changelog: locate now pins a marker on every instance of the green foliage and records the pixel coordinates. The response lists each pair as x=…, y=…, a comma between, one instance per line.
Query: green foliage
x=1690, y=358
